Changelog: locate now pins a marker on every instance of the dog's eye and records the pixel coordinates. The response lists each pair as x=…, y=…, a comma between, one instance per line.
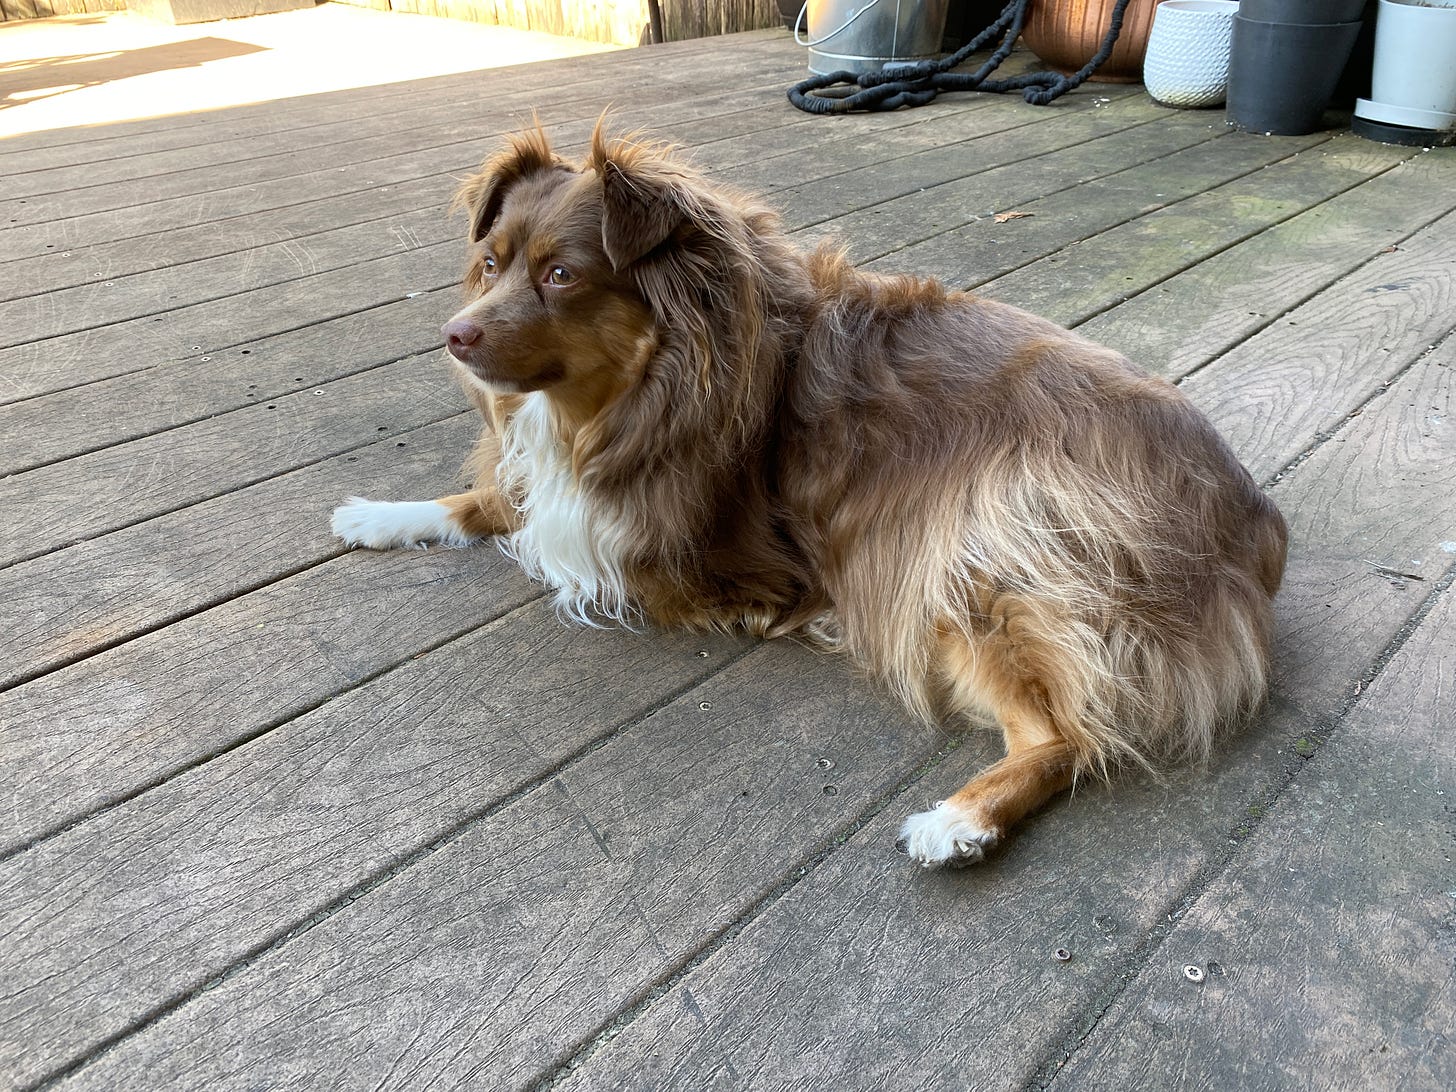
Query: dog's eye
x=560, y=275
x=489, y=266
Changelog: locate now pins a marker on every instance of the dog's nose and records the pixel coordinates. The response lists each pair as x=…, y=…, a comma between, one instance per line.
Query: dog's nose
x=460, y=334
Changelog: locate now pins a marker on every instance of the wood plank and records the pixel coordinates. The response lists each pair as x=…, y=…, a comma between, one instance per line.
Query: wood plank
x=345, y=797
x=166, y=395
x=719, y=141
x=106, y=295
x=90, y=355
x=1328, y=943
x=878, y=926
x=87, y=737
x=930, y=170
x=1249, y=285
x=196, y=179
x=87, y=263
x=1096, y=875
x=875, y=139
x=92, y=143
x=292, y=181
x=83, y=408
x=1057, y=227
x=204, y=332
x=411, y=115
x=621, y=839
x=66, y=502
x=1275, y=394
x=1067, y=229
x=597, y=903
x=71, y=603
x=1086, y=278
x=42, y=316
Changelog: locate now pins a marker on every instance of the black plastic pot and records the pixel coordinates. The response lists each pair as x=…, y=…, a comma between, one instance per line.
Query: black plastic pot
x=1308, y=12
x=1281, y=75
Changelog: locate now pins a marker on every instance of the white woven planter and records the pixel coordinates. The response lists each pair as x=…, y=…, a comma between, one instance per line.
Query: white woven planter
x=1187, y=62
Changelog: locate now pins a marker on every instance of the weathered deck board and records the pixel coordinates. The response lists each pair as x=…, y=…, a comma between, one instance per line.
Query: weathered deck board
x=90, y=354
x=1128, y=258
x=1319, y=944
x=1278, y=391
x=46, y=150
x=303, y=816
x=604, y=822
x=282, y=814
x=167, y=470
x=434, y=120
x=179, y=199
x=83, y=418
x=1251, y=284
x=1052, y=236
x=72, y=603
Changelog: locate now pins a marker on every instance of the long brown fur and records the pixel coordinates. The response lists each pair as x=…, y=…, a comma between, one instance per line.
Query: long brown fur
x=993, y=515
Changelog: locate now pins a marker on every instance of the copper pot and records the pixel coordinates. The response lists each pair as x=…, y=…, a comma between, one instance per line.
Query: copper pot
x=1066, y=33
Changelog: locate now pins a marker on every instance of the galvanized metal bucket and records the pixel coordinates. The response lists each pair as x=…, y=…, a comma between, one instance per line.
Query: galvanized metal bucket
x=864, y=35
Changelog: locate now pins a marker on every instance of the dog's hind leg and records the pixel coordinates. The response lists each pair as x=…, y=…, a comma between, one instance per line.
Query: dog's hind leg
x=1040, y=759
x=457, y=520
x=961, y=828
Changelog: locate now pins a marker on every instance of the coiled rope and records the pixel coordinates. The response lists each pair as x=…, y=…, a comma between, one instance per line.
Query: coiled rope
x=918, y=84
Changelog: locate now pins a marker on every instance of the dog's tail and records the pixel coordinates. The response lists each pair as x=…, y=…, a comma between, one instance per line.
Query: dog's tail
x=1128, y=593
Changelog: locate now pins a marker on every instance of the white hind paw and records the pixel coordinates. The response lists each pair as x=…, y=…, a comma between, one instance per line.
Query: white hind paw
x=945, y=835
x=385, y=525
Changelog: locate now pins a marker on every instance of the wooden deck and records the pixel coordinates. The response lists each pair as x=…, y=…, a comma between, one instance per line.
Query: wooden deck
x=277, y=815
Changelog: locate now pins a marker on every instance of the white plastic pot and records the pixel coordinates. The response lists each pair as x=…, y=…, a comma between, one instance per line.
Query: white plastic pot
x=1413, y=82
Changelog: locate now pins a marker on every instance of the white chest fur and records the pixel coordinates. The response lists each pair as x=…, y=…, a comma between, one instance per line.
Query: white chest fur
x=567, y=539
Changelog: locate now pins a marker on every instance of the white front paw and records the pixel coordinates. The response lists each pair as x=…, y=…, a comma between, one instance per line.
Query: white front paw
x=384, y=525
x=945, y=835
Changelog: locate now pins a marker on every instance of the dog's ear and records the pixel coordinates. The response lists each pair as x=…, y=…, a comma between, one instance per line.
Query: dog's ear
x=638, y=213
x=642, y=202
x=484, y=193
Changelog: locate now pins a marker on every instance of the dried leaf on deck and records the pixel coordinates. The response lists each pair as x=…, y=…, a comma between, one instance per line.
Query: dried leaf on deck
x=1002, y=217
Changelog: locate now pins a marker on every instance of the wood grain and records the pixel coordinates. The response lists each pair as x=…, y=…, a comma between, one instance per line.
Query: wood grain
x=934, y=177
x=1079, y=281
x=538, y=924
x=153, y=898
x=1275, y=393
x=71, y=603
x=182, y=198
x=1246, y=287
x=66, y=502
x=284, y=816
x=1331, y=939
x=1038, y=252
x=765, y=1008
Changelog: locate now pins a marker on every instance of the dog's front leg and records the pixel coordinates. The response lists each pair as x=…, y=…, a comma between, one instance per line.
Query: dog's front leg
x=457, y=520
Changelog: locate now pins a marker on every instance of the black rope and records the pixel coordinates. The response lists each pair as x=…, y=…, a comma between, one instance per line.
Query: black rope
x=915, y=85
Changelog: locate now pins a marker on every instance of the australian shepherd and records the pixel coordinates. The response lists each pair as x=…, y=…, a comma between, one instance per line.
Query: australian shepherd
x=689, y=422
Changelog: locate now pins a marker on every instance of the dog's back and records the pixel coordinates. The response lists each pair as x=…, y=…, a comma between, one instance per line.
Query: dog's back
x=1004, y=504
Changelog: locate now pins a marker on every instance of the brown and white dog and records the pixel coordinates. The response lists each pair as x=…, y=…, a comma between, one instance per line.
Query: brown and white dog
x=690, y=422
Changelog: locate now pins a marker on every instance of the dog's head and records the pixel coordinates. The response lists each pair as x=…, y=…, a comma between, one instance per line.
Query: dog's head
x=552, y=294
x=555, y=285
